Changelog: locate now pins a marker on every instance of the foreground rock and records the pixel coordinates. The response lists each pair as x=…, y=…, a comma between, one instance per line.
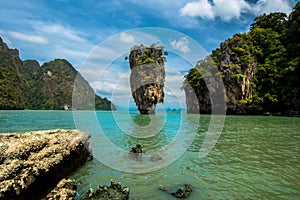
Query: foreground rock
x=33, y=163
x=65, y=189
x=114, y=191
x=147, y=77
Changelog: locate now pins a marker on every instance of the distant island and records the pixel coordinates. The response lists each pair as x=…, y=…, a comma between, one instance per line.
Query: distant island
x=260, y=69
x=27, y=85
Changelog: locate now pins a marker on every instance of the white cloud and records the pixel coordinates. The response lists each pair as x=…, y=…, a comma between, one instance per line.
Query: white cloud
x=29, y=38
x=225, y=9
x=70, y=52
x=268, y=6
x=64, y=41
x=59, y=41
x=201, y=8
x=104, y=53
x=182, y=45
x=126, y=38
x=230, y=9
x=60, y=31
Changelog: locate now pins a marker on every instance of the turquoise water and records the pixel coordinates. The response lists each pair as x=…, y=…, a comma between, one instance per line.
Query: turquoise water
x=256, y=157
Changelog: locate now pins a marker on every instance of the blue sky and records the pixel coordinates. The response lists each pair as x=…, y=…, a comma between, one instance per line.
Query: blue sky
x=79, y=31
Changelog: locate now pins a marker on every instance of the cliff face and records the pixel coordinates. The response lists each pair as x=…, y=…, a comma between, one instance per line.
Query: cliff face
x=237, y=72
x=11, y=79
x=147, y=77
x=238, y=75
x=34, y=162
x=27, y=85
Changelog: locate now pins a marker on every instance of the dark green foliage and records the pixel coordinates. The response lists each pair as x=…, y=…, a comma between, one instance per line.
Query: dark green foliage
x=292, y=57
x=10, y=91
x=26, y=85
x=275, y=21
x=145, y=59
x=271, y=50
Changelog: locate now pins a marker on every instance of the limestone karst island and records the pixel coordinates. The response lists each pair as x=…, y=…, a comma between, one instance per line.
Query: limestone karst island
x=147, y=76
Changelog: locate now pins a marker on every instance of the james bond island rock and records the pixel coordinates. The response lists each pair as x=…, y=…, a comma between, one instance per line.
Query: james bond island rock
x=33, y=163
x=147, y=76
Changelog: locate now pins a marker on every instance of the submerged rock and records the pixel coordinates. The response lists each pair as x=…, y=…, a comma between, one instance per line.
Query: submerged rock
x=114, y=191
x=147, y=77
x=181, y=192
x=136, y=152
x=33, y=163
x=155, y=158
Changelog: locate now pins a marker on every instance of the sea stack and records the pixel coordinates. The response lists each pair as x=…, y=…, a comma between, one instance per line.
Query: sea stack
x=147, y=76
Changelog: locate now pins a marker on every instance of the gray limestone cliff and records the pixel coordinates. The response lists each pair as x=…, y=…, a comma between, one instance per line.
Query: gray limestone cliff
x=238, y=77
x=235, y=71
x=147, y=76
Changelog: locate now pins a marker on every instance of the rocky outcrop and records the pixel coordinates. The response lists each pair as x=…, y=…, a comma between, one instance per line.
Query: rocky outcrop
x=34, y=162
x=236, y=72
x=147, y=77
x=181, y=192
x=65, y=189
x=238, y=77
x=114, y=191
x=32, y=67
x=137, y=152
x=260, y=69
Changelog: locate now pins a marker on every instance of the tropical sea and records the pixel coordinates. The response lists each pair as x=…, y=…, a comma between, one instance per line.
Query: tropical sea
x=255, y=157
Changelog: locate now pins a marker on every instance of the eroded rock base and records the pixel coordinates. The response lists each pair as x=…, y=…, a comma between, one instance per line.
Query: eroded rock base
x=65, y=189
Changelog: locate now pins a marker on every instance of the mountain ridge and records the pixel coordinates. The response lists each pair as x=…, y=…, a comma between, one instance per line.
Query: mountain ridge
x=27, y=85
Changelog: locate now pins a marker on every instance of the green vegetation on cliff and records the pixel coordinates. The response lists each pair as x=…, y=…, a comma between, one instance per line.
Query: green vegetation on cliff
x=27, y=85
x=260, y=69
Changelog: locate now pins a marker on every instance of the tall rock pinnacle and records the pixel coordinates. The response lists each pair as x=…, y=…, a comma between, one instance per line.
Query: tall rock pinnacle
x=147, y=76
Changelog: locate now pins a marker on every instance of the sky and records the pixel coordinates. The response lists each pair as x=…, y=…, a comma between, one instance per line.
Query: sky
x=96, y=35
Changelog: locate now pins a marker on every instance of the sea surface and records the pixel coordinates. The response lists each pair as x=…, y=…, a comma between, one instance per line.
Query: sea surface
x=255, y=157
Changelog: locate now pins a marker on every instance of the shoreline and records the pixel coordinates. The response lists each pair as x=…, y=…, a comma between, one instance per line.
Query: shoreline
x=273, y=114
